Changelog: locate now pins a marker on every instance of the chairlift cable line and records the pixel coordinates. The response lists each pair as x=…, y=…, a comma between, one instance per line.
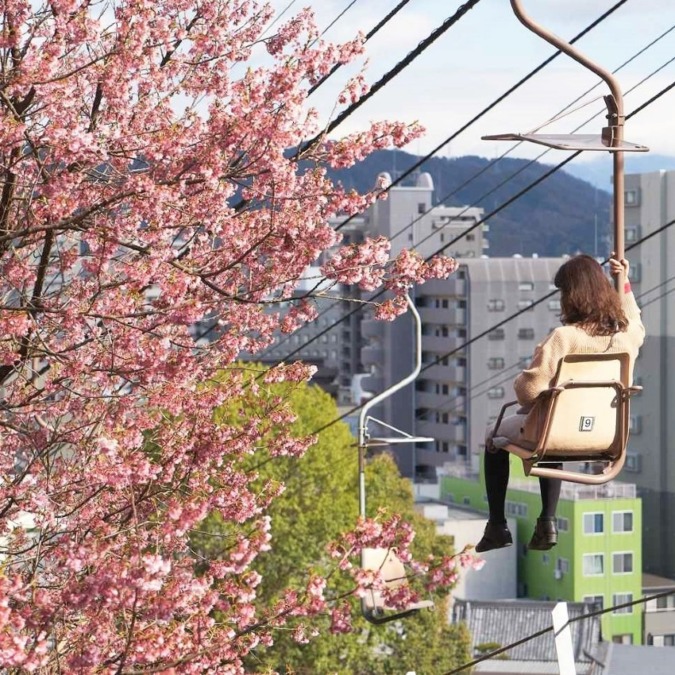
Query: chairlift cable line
x=509, y=378
x=494, y=103
x=512, y=199
x=499, y=185
x=497, y=325
x=371, y=33
x=476, y=117
x=391, y=74
x=544, y=631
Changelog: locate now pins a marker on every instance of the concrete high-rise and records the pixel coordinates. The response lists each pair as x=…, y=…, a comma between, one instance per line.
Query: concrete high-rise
x=650, y=204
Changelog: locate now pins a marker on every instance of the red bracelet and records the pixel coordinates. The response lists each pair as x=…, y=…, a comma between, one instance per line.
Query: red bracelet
x=626, y=287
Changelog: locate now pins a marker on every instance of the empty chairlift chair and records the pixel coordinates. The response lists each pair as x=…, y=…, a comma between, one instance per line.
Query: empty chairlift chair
x=584, y=418
x=385, y=560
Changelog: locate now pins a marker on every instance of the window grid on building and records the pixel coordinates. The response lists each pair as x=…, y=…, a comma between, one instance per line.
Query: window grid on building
x=622, y=521
x=594, y=523
x=622, y=563
x=620, y=599
x=593, y=564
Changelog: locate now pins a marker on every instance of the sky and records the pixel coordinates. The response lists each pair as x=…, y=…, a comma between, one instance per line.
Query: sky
x=487, y=52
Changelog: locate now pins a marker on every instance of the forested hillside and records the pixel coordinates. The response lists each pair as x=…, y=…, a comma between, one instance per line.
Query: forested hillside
x=561, y=215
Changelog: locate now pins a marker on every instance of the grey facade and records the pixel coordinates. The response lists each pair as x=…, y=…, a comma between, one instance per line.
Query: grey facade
x=650, y=204
x=467, y=371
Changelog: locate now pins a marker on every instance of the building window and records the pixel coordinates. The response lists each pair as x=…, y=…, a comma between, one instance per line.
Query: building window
x=597, y=600
x=563, y=524
x=623, y=639
x=496, y=392
x=526, y=333
x=496, y=363
x=620, y=599
x=421, y=208
x=562, y=565
x=526, y=286
x=554, y=305
x=496, y=334
x=516, y=509
x=622, y=521
x=635, y=424
x=524, y=361
x=526, y=304
x=622, y=563
x=633, y=462
x=594, y=564
x=495, y=305
x=631, y=197
x=669, y=640
x=635, y=272
x=632, y=234
x=594, y=523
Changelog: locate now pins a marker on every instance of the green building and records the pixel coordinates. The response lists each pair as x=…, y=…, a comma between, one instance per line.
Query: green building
x=599, y=551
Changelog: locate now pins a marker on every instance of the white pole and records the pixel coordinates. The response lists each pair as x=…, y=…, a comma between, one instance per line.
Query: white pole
x=563, y=639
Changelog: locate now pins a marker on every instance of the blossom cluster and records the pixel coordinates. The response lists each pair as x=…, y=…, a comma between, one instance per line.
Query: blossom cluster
x=152, y=219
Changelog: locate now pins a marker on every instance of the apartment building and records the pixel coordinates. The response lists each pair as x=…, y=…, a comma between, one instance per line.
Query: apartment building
x=334, y=340
x=598, y=558
x=650, y=204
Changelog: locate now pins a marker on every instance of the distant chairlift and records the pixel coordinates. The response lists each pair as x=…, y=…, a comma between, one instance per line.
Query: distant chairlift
x=384, y=560
x=587, y=410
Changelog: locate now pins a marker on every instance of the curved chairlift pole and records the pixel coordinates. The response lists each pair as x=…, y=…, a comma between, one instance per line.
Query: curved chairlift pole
x=590, y=427
x=610, y=140
x=373, y=605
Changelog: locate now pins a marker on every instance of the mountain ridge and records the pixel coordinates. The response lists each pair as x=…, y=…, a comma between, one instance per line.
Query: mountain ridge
x=562, y=215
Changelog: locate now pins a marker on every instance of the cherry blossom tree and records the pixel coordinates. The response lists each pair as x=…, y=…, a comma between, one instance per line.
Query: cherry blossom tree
x=151, y=181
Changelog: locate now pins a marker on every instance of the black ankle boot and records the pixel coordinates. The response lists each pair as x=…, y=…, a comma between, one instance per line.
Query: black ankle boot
x=545, y=535
x=496, y=535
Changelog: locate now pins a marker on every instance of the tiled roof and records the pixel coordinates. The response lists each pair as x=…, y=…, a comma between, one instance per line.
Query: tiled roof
x=653, y=581
x=506, y=622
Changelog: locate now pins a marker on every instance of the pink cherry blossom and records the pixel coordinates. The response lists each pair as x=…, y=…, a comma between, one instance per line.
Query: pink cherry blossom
x=154, y=225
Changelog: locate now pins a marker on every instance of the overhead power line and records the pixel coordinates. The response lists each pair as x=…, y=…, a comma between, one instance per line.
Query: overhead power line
x=497, y=160
x=478, y=223
x=393, y=72
x=494, y=103
x=372, y=32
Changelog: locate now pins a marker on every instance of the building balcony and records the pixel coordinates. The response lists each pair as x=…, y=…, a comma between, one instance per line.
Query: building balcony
x=451, y=316
x=372, y=355
x=451, y=433
x=451, y=403
x=370, y=328
x=578, y=492
x=440, y=345
x=454, y=286
x=440, y=373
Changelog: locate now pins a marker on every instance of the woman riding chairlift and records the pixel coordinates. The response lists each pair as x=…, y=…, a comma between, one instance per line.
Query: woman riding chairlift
x=596, y=319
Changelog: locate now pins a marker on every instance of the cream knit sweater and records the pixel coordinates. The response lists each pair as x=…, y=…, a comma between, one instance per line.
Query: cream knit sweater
x=573, y=340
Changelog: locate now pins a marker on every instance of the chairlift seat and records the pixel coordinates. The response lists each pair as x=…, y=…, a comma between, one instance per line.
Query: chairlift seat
x=390, y=566
x=584, y=419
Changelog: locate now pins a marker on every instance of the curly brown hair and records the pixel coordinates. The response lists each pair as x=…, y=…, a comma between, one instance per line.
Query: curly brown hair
x=588, y=299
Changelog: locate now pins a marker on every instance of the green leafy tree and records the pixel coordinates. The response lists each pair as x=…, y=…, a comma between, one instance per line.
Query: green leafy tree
x=318, y=504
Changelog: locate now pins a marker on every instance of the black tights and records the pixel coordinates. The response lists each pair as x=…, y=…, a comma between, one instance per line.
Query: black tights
x=497, y=480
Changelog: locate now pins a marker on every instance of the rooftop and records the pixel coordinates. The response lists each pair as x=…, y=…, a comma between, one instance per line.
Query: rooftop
x=504, y=622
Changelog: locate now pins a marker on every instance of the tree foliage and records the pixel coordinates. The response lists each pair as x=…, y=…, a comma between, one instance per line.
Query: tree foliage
x=319, y=504
x=147, y=192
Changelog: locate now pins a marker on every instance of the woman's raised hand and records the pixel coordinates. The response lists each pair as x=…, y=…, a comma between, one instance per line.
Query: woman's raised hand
x=617, y=266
